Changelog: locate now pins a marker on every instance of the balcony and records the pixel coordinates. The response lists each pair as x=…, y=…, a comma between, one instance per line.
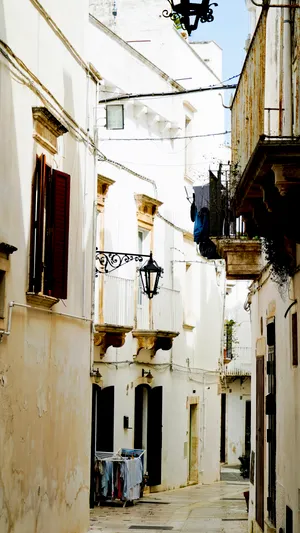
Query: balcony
x=265, y=173
x=243, y=257
x=122, y=309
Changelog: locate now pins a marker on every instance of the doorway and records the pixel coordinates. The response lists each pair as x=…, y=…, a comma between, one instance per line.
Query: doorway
x=260, y=441
x=248, y=427
x=102, y=428
x=223, y=429
x=193, y=443
x=271, y=421
x=148, y=429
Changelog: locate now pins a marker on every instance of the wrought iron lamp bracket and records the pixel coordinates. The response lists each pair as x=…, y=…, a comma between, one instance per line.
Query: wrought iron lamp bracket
x=107, y=262
x=185, y=9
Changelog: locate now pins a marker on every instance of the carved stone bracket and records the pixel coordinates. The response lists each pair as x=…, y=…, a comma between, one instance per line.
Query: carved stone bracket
x=154, y=340
x=287, y=177
x=107, y=335
x=103, y=184
x=146, y=210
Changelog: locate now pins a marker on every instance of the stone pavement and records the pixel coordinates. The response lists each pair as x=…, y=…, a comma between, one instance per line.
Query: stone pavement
x=216, y=508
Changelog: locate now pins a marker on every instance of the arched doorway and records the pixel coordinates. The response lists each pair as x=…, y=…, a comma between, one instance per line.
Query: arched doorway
x=148, y=429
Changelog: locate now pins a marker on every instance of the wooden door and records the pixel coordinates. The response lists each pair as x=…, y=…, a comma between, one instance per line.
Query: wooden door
x=154, y=440
x=223, y=428
x=260, y=438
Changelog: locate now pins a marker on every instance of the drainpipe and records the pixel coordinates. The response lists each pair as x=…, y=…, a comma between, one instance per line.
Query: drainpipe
x=13, y=304
x=287, y=126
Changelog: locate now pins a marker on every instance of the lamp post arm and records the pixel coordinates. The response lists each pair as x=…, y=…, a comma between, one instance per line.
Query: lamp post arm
x=107, y=262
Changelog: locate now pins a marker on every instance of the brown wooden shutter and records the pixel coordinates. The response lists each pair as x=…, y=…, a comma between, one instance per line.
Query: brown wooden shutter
x=37, y=226
x=58, y=236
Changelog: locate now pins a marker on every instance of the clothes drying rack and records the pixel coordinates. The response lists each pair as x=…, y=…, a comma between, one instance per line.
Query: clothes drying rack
x=122, y=455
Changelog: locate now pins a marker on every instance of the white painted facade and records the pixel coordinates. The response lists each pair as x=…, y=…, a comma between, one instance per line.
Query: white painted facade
x=237, y=373
x=192, y=293
x=268, y=304
x=45, y=388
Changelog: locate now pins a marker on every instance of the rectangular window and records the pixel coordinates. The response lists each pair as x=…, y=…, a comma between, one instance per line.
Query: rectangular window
x=295, y=339
x=114, y=117
x=49, y=244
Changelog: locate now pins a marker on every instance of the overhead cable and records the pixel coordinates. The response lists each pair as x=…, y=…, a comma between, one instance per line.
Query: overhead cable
x=218, y=87
x=167, y=138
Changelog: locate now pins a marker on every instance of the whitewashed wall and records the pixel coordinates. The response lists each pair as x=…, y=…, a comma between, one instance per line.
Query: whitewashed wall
x=45, y=362
x=237, y=373
x=194, y=297
x=266, y=303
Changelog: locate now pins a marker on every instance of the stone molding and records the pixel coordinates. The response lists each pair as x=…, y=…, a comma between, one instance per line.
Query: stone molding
x=47, y=128
x=147, y=208
x=103, y=184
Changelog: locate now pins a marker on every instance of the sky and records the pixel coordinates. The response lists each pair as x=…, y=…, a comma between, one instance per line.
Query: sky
x=229, y=30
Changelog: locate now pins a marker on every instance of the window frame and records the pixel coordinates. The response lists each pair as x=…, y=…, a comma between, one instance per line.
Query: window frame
x=107, y=108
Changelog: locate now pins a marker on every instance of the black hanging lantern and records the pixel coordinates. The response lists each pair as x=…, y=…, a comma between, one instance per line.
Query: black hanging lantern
x=150, y=274
x=189, y=13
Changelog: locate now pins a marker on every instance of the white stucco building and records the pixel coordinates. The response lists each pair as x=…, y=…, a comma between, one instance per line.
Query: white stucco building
x=142, y=207
x=46, y=266
x=236, y=375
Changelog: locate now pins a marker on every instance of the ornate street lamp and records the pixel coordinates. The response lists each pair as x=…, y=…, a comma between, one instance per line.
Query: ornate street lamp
x=189, y=13
x=150, y=272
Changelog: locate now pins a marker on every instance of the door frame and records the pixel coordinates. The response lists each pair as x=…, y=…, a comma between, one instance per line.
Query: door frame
x=193, y=462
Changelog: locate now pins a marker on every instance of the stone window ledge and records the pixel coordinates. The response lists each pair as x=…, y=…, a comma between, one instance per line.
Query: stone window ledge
x=41, y=300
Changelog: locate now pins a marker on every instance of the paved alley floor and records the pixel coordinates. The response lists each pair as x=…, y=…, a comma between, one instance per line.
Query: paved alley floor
x=217, y=508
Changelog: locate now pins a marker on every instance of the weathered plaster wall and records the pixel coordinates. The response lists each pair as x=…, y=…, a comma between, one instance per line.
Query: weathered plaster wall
x=44, y=363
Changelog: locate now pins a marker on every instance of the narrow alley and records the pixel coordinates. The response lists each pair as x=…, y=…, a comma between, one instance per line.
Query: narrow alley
x=215, y=508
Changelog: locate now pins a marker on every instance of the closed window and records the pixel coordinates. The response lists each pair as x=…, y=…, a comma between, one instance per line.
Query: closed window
x=114, y=117
x=48, y=273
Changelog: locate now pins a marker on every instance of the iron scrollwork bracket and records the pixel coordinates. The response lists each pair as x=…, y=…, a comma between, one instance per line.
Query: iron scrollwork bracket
x=185, y=9
x=107, y=262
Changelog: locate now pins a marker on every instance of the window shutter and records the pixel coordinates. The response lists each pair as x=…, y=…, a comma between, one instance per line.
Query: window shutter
x=58, y=236
x=37, y=226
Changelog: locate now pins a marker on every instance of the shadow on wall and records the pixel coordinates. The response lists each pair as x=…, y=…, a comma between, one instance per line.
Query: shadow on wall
x=16, y=162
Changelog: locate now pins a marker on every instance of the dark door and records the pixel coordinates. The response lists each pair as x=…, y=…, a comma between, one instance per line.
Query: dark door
x=138, y=417
x=248, y=427
x=223, y=428
x=154, y=440
x=260, y=430
x=271, y=416
x=93, y=444
x=105, y=420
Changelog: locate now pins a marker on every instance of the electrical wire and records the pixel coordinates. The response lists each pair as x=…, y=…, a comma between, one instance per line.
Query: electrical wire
x=227, y=132
x=218, y=87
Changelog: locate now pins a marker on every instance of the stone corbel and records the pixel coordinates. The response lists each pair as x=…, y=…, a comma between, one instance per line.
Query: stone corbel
x=107, y=335
x=103, y=184
x=286, y=177
x=153, y=340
